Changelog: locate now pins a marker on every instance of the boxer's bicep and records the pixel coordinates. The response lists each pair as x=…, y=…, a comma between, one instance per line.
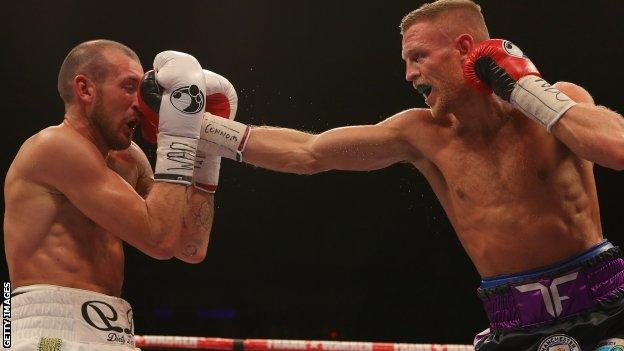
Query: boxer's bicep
x=359, y=148
x=591, y=132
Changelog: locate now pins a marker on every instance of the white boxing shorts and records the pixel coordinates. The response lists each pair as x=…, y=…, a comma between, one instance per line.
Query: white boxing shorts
x=55, y=318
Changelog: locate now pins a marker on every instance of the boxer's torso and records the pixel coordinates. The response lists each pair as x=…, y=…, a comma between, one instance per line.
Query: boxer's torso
x=49, y=241
x=517, y=198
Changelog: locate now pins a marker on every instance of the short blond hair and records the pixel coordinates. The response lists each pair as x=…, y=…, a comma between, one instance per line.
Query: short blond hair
x=433, y=10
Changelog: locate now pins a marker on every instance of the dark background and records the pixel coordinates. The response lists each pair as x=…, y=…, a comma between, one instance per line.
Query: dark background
x=341, y=255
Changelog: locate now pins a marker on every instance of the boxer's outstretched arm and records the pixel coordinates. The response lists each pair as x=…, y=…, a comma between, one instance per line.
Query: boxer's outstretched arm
x=592, y=132
x=356, y=148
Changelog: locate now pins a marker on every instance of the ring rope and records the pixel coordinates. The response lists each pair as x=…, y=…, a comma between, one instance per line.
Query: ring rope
x=223, y=344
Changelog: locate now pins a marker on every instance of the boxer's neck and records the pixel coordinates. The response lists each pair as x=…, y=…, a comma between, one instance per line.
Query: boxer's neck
x=483, y=115
x=80, y=123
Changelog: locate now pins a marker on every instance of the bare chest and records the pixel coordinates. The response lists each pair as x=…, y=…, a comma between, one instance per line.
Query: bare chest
x=506, y=169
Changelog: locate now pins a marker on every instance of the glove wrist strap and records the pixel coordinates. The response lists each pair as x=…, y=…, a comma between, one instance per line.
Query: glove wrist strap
x=540, y=101
x=230, y=137
x=175, y=159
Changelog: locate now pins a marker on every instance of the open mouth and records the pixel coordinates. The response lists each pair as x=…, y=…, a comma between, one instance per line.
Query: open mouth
x=423, y=89
x=132, y=124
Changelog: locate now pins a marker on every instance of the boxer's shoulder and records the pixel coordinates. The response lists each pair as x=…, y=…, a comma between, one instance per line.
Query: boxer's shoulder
x=49, y=141
x=53, y=154
x=418, y=125
x=574, y=91
x=417, y=119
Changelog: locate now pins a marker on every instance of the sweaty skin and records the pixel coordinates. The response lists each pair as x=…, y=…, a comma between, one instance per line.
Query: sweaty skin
x=518, y=197
x=48, y=240
x=71, y=200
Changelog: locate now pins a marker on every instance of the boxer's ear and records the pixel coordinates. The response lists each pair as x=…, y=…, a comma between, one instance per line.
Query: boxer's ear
x=464, y=44
x=84, y=88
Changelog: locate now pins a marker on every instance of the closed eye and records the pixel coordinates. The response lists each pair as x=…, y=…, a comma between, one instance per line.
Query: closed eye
x=130, y=88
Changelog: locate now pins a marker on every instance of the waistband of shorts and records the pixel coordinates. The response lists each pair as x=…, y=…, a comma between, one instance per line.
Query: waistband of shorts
x=545, y=295
x=71, y=314
x=574, y=261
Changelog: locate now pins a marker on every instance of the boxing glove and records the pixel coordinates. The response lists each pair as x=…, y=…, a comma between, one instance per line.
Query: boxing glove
x=498, y=66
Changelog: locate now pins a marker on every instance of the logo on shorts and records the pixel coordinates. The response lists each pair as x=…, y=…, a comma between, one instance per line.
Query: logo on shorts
x=188, y=99
x=512, y=50
x=550, y=294
x=611, y=345
x=102, y=316
x=559, y=342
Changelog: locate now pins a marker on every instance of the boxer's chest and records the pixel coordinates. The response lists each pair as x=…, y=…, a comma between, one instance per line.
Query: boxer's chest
x=506, y=169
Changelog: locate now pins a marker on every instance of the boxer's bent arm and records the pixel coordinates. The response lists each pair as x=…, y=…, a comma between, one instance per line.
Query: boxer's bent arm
x=192, y=244
x=76, y=168
x=592, y=132
x=355, y=148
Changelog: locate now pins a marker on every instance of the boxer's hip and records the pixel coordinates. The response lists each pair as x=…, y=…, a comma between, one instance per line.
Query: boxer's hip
x=70, y=317
x=577, y=302
x=542, y=296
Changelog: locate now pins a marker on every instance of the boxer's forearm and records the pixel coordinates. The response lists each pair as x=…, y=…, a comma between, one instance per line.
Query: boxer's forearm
x=280, y=149
x=193, y=241
x=164, y=208
x=593, y=133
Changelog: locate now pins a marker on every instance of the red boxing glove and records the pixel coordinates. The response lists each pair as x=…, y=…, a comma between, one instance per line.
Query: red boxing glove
x=496, y=65
x=149, y=101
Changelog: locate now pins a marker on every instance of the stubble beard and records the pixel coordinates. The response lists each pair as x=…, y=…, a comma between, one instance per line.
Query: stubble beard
x=448, y=100
x=101, y=122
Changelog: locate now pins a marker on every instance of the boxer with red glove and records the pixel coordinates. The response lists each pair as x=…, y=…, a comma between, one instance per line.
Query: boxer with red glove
x=172, y=96
x=221, y=103
x=498, y=65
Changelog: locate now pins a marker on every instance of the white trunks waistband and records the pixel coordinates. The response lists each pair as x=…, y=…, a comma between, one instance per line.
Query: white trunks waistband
x=71, y=314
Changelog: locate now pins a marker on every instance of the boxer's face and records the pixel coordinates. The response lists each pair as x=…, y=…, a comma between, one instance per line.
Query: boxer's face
x=115, y=112
x=433, y=66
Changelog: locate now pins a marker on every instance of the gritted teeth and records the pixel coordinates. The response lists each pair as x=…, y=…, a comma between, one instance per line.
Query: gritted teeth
x=423, y=89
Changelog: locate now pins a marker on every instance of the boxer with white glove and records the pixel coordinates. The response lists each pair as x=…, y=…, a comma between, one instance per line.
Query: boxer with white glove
x=500, y=66
x=221, y=105
x=173, y=95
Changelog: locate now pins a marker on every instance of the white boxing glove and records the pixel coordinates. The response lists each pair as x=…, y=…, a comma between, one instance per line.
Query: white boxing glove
x=175, y=91
x=221, y=103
